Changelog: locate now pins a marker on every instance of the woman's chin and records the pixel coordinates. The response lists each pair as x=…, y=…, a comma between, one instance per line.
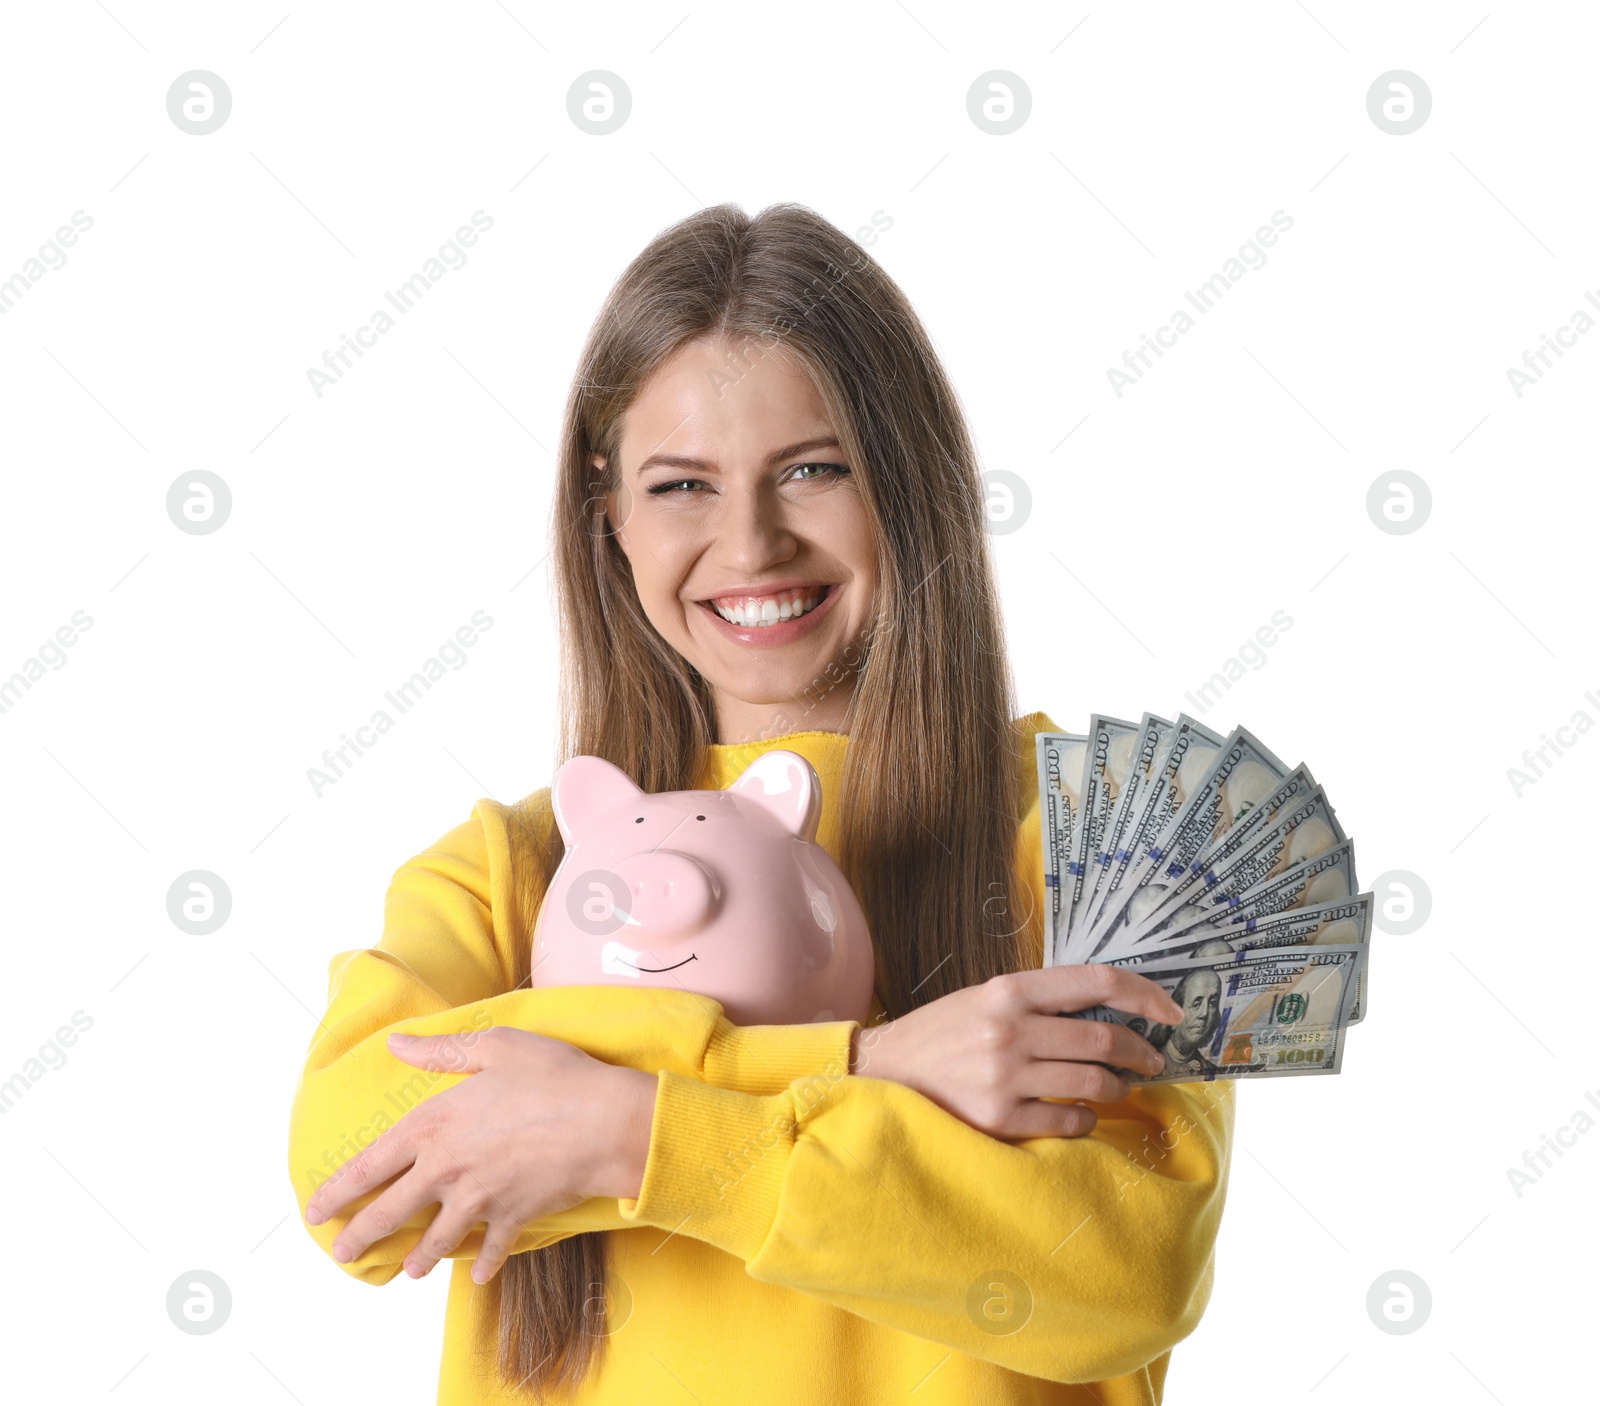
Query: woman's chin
x=767, y=688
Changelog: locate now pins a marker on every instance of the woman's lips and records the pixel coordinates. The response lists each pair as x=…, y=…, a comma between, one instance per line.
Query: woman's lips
x=784, y=632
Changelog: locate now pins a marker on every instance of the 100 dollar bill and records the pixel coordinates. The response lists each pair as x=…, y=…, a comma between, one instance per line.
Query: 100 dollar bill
x=1174, y=887
x=1150, y=742
x=1260, y=1014
x=1324, y=878
x=1243, y=777
x=1105, y=763
x=1344, y=922
x=1183, y=765
x=1299, y=832
x=1060, y=756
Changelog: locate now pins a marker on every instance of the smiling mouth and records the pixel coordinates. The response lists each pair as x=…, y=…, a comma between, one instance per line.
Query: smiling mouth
x=654, y=970
x=762, y=611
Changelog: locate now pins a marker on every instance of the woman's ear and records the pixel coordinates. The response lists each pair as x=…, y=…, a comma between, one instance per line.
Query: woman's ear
x=597, y=462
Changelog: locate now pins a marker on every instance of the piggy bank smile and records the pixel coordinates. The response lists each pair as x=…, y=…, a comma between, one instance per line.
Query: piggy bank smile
x=614, y=957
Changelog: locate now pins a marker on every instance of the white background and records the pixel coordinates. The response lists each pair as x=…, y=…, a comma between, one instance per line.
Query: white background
x=1167, y=525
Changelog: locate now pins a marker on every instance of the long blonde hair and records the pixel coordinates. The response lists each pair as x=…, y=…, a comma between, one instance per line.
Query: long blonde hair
x=927, y=805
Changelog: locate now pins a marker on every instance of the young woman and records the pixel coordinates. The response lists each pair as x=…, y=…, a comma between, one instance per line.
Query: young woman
x=769, y=530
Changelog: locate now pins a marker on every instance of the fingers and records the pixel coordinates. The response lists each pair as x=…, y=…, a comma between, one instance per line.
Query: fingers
x=1053, y=1037
x=1076, y=988
x=392, y=1151
x=460, y=1052
x=1036, y=1119
x=498, y=1242
x=395, y=1149
x=449, y=1228
x=1065, y=1079
x=386, y=1214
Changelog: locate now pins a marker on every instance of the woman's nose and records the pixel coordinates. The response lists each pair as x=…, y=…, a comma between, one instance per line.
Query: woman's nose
x=752, y=529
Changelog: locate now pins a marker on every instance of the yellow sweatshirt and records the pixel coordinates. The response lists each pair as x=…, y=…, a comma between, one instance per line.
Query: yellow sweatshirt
x=801, y=1234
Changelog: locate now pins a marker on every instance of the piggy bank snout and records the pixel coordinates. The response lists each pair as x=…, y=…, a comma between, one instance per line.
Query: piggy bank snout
x=671, y=897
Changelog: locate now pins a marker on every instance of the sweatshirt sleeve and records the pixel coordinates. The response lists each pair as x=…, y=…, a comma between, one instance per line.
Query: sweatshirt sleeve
x=444, y=965
x=1072, y=1259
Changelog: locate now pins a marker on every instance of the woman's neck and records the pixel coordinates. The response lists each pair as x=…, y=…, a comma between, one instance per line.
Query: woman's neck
x=739, y=721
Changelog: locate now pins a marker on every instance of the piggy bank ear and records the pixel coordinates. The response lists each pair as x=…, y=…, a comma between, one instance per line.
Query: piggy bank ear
x=587, y=787
x=784, y=784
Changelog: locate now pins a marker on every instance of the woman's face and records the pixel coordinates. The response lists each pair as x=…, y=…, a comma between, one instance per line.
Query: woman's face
x=732, y=490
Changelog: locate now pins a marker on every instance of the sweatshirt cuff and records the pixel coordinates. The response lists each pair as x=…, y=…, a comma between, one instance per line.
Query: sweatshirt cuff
x=762, y=1059
x=716, y=1164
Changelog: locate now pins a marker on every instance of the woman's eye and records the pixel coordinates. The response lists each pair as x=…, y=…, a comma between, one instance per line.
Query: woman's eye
x=675, y=484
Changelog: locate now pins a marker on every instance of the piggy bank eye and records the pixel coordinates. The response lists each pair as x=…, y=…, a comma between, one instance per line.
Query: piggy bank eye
x=638, y=820
x=699, y=817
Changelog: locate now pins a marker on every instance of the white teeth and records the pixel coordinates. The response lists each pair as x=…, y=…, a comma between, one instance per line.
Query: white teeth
x=769, y=610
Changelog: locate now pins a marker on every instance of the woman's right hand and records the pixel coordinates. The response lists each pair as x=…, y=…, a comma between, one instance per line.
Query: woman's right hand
x=991, y=1053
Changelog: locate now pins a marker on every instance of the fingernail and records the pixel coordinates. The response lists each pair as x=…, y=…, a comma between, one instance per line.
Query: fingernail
x=341, y=1252
x=398, y=1039
x=313, y=1216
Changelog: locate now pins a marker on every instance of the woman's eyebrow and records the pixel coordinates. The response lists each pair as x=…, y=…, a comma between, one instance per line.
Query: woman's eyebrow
x=688, y=461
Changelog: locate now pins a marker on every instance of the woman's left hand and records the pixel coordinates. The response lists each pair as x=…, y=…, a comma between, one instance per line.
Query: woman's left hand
x=540, y=1127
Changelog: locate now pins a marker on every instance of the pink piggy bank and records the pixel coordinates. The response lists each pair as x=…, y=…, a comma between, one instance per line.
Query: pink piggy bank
x=723, y=893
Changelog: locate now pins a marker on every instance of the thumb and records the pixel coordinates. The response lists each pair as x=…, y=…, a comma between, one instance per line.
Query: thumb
x=462, y=1052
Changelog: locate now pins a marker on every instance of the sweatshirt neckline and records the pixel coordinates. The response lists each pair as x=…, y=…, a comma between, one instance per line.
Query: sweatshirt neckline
x=1029, y=723
x=719, y=747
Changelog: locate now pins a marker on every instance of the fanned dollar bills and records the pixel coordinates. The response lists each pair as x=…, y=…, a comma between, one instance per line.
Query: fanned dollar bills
x=1220, y=873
